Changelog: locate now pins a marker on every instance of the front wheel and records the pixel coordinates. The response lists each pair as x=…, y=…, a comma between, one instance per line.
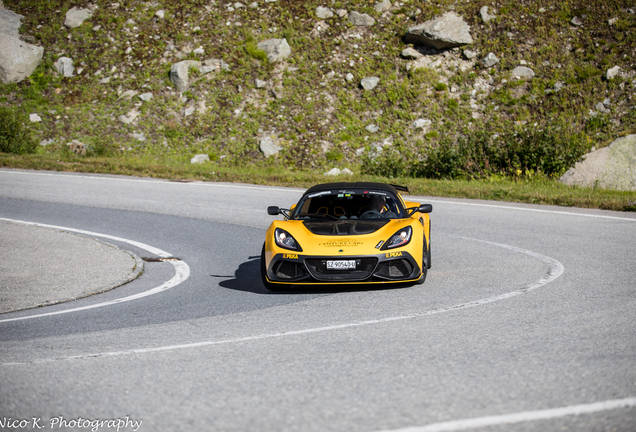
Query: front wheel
x=270, y=286
x=426, y=264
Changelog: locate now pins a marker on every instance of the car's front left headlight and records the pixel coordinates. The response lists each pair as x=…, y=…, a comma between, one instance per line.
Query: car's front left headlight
x=400, y=238
x=286, y=240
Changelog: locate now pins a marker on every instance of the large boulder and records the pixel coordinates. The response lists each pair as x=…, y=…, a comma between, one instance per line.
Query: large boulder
x=180, y=76
x=448, y=31
x=18, y=59
x=276, y=49
x=10, y=22
x=612, y=167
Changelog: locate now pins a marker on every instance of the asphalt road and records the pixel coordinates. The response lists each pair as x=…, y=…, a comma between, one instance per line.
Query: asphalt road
x=527, y=322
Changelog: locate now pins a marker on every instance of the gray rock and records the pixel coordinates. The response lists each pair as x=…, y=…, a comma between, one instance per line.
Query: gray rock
x=139, y=136
x=75, y=17
x=10, y=23
x=369, y=83
x=200, y=158
x=359, y=19
x=276, y=49
x=130, y=117
x=46, y=142
x=612, y=167
x=421, y=123
x=601, y=107
x=483, y=14
x=411, y=53
x=323, y=12
x=337, y=171
x=349, y=77
x=35, y=118
x=341, y=13
x=558, y=86
x=214, y=64
x=383, y=6
x=269, y=146
x=160, y=14
x=469, y=54
x=260, y=83
x=64, y=66
x=18, y=59
x=447, y=31
x=146, y=96
x=576, y=21
x=612, y=72
x=523, y=72
x=179, y=75
x=490, y=60
x=372, y=128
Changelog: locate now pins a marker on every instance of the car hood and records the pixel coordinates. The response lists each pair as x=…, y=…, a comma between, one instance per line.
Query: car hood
x=344, y=226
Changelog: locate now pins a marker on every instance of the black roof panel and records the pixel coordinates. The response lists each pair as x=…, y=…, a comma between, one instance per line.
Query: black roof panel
x=356, y=185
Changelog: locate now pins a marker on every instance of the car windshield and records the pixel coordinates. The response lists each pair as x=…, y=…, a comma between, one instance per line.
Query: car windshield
x=348, y=204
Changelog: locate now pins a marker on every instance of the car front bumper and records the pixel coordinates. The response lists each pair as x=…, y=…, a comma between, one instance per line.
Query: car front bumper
x=387, y=267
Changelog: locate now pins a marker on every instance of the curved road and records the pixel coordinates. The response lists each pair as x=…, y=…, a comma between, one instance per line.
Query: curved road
x=527, y=321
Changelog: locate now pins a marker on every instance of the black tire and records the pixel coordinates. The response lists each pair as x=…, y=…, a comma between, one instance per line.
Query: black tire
x=425, y=265
x=428, y=253
x=268, y=285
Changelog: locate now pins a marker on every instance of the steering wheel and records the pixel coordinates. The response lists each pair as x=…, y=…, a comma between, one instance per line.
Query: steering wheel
x=371, y=214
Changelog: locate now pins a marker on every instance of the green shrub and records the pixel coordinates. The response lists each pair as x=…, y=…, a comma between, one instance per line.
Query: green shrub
x=14, y=138
x=334, y=155
x=442, y=162
x=253, y=51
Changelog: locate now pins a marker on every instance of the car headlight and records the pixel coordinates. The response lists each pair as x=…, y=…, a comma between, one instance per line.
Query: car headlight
x=286, y=240
x=400, y=238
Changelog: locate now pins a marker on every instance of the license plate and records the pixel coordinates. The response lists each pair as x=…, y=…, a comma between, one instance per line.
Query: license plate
x=341, y=265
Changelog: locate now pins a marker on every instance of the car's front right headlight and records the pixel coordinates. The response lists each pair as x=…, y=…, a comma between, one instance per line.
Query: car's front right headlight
x=286, y=240
x=400, y=238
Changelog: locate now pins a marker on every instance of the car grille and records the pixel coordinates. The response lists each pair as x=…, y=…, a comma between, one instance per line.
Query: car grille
x=289, y=270
x=318, y=269
x=395, y=269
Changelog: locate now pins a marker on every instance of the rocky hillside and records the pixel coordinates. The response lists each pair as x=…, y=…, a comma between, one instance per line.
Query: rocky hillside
x=517, y=87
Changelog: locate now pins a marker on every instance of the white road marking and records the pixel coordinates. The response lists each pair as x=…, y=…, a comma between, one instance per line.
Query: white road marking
x=182, y=271
x=555, y=270
x=424, y=200
x=508, y=419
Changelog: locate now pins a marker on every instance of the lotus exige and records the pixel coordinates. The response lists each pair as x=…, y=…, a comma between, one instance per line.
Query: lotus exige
x=348, y=233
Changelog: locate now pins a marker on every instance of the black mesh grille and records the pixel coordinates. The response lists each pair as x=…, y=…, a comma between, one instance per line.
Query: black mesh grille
x=288, y=270
x=395, y=269
x=318, y=269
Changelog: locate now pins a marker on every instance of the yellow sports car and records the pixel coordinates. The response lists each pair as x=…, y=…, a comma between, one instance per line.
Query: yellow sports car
x=348, y=233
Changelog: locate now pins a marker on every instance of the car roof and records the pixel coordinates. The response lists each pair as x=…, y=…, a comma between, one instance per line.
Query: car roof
x=356, y=185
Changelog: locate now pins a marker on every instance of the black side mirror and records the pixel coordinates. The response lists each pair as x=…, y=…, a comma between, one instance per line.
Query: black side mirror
x=425, y=208
x=273, y=210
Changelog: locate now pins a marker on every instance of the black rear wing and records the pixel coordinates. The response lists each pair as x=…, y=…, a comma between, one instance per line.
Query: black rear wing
x=401, y=188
